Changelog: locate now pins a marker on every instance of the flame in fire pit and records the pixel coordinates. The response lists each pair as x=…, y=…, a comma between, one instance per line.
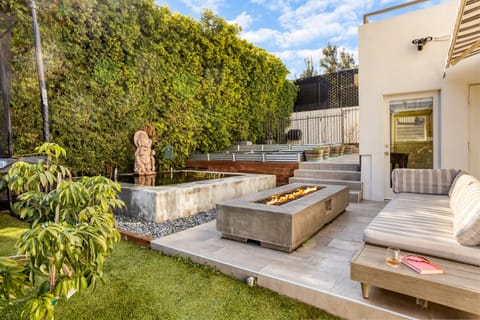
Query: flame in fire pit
x=278, y=200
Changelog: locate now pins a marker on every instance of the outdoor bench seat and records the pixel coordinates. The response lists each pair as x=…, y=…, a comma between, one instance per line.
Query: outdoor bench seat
x=435, y=213
x=429, y=203
x=421, y=223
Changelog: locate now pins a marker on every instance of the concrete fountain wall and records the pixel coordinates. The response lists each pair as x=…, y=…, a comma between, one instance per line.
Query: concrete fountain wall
x=157, y=204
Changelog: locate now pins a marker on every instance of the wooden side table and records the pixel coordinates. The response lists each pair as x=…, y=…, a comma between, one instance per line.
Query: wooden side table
x=458, y=287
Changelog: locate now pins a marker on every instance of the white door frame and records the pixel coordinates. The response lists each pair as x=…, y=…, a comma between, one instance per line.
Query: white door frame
x=435, y=95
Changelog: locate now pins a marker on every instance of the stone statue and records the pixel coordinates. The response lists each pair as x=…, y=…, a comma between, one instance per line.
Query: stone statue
x=144, y=155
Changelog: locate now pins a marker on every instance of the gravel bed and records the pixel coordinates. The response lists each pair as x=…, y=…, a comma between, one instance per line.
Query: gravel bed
x=157, y=230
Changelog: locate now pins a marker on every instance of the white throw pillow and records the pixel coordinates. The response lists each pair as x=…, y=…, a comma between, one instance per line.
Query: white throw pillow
x=459, y=185
x=466, y=223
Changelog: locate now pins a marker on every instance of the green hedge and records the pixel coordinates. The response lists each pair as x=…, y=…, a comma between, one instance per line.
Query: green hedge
x=116, y=66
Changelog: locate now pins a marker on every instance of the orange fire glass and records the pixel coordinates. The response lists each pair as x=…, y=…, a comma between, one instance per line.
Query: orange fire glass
x=277, y=200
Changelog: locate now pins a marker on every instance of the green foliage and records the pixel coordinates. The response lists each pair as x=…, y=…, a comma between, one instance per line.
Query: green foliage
x=331, y=62
x=117, y=66
x=72, y=231
x=13, y=279
x=309, y=69
x=40, y=177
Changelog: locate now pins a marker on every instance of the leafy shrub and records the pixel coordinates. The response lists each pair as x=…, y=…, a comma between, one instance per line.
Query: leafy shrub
x=117, y=66
x=72, y=231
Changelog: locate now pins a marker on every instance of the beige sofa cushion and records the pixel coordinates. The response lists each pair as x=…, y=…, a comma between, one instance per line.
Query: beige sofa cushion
x=466, y=223
x=428, y=181
x=420, y=223
x=459, y=185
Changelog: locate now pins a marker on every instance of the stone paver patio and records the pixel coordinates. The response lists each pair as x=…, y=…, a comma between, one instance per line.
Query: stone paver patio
x=317, y=273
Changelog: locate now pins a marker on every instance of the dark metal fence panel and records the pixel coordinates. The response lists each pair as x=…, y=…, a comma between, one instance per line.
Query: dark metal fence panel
x=333, y=90
x=343, y=88
x=330, y=126
x=312, y=94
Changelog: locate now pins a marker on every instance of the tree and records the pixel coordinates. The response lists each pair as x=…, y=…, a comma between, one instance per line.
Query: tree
x=72, y=231
x=331, y=62
x=309, y=69
x=347, y=61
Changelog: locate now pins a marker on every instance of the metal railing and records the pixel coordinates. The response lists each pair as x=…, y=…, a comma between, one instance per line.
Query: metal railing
x=330, y=126
x=280, y=156
x=390, y=9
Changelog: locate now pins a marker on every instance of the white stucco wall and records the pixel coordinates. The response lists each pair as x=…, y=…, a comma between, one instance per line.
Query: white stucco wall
x=391, y=65
x=454, y=119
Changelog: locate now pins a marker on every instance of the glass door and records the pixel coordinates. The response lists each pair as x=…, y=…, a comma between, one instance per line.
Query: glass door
x=411, y=133
x=410, y=143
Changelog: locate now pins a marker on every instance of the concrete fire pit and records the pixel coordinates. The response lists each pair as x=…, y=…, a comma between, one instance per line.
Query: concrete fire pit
x=282, y=227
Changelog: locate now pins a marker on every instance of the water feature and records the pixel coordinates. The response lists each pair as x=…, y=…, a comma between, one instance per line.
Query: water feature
x=168, y=201
x=172, y=177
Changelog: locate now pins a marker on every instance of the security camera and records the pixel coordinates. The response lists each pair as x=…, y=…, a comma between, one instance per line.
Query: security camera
x=421, y=42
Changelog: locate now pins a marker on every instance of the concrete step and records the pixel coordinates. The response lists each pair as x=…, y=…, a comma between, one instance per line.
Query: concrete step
x=355, y=191
x=352, y=185
x=345, y=166
x=327, y=174
x=355, y=196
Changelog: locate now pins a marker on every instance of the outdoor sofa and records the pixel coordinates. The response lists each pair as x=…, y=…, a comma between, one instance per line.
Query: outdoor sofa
x=435, y=213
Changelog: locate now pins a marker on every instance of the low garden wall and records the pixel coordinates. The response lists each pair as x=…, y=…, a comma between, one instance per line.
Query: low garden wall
x=282, y=170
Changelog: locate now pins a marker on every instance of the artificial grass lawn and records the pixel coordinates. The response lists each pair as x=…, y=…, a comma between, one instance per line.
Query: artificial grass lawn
x=144, y=284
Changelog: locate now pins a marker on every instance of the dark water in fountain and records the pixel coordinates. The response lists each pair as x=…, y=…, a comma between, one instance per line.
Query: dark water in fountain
x=164, y=178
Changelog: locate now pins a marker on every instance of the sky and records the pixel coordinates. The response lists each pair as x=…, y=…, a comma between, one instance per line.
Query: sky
x=294, y=29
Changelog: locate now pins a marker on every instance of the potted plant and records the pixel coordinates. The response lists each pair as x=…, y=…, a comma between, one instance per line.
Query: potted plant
x=334, y=151
x=314, y=154
x=326, y=152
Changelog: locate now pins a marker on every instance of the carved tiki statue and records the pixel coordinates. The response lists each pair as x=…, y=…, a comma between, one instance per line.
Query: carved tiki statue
x=144, y=155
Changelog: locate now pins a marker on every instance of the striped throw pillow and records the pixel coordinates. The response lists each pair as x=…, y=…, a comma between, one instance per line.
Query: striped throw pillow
x=466, y=221
x=459, y=185
x=429, y=181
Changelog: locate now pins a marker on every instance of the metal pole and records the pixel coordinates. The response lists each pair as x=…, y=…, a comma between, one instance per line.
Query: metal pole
x=4, y=83
x=41, y=76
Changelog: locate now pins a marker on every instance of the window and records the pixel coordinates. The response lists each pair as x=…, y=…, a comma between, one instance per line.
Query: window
x=411, y=131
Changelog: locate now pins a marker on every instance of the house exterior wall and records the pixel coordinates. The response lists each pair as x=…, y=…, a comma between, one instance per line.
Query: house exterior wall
x=391, y=65
x=454, y=99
